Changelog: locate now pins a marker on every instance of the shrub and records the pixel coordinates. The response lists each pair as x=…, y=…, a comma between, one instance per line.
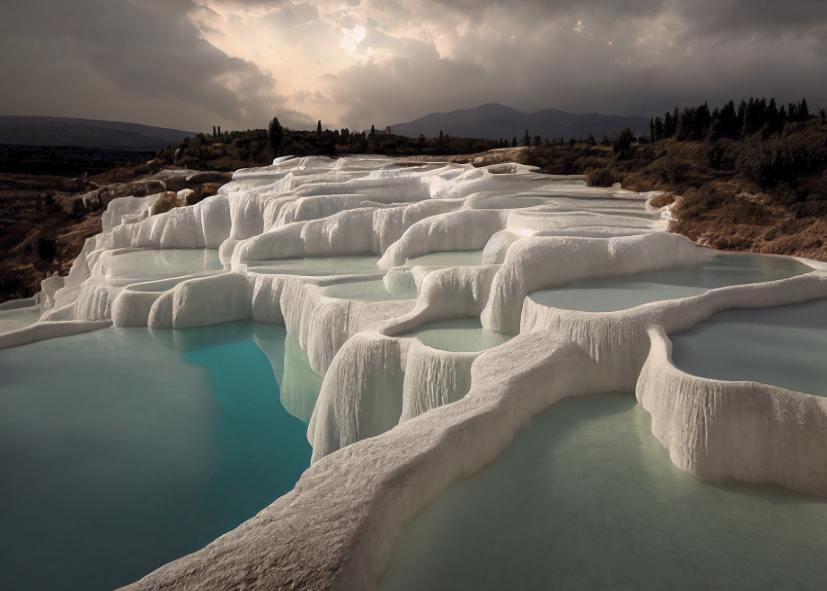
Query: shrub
x=601, y=177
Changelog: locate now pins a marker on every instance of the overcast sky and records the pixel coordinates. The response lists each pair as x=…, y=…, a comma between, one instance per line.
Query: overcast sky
x=191, y=64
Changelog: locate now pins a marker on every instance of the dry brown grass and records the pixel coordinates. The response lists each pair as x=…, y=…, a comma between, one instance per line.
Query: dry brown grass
x=662, y=200
x=166, y=202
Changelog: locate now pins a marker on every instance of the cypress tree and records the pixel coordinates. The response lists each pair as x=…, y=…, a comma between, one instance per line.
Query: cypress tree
x=771, y=118
x=747, y=127
x=803, y=110
x=659, y=128
x=668, y=126
x=275, y=133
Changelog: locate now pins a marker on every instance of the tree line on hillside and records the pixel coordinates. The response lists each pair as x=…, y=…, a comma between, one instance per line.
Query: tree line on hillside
x=751, y=117
x=758, y=146
x=230, y=150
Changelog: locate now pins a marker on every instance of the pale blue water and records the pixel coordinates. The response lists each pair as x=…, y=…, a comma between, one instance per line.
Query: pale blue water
x=784, y=346
x=609, y=294
x=18, y=318
x=458, y=335
x=588, y=499
x=156, y=264
x=123, y=449
x=459, y=258
x=318, y=266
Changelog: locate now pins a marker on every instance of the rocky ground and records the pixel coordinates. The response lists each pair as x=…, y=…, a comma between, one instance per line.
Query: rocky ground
x=45, y=219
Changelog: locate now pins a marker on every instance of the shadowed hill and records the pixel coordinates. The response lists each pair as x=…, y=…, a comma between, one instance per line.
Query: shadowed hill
x=87, y=133
x=494, y=121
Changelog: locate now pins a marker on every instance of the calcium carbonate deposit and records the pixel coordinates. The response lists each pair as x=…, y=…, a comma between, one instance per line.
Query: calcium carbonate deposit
x=440, y=307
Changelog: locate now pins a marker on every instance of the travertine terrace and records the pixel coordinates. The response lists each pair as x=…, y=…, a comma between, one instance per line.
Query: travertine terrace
x=398, y=421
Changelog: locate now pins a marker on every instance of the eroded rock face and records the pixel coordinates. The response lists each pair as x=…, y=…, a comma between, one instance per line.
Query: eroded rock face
x=397, y=421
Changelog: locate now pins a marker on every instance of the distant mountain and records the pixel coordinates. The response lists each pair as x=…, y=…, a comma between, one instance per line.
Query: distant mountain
x=493, y=121
x=87, y=133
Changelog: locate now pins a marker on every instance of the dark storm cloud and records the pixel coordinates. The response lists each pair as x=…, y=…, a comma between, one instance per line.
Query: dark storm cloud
x=147, y=61
x=145, y=54
x=769, y=17
x=534, y=55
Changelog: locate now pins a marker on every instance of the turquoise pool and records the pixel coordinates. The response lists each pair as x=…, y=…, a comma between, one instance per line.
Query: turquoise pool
x=123, y=449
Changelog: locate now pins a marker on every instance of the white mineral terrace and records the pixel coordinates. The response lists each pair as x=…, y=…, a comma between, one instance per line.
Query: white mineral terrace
x=442, y=307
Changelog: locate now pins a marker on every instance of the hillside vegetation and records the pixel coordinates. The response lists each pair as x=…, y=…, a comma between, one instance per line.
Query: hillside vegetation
x=759, y=188
x=244, y=149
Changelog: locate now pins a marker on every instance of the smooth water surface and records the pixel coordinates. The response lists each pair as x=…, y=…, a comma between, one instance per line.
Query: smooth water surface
x=18, y=318
x=123, y=449
x=157, y=264
x=299, y=385
x=609, y=294
x=368, y=291
x=459, y=258
x=459, y=335
x=588, y=499
x=318, y=266
x=784, y=346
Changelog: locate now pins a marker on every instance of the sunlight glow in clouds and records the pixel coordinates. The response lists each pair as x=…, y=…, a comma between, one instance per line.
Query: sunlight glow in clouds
x=352, y=37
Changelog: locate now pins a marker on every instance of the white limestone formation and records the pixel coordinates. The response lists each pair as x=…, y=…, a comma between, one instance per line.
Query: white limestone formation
x=720, y=431
x=398, y=421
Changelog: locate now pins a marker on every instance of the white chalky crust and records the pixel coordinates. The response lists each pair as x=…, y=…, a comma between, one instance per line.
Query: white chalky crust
x=372, y=471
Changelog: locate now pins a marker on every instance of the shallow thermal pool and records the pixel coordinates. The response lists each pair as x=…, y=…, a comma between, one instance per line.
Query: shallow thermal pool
x=18, y=318
x=123, y=449
x=784, y=346
x=459, y=335
x=588, y=499
x=368, y=291
x=459, y=258
x=310, y=266
x=609, y=294
x=159, y=264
